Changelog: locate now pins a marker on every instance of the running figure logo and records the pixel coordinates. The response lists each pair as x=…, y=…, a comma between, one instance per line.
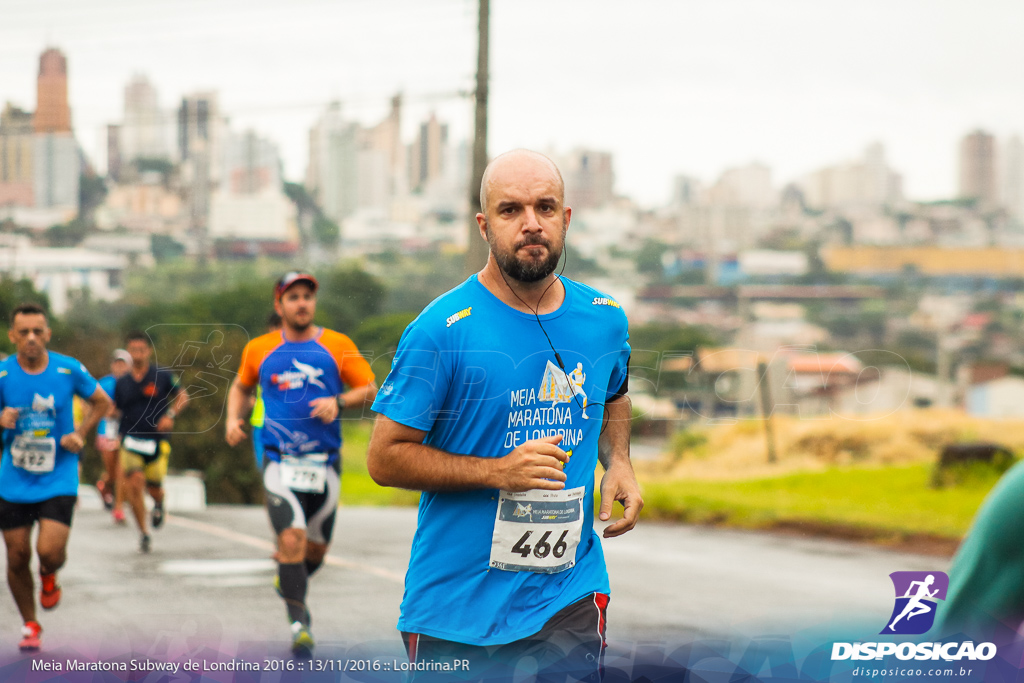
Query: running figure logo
x=917, y=594
x=558, y=386
x=576, y=379
x=523, y=511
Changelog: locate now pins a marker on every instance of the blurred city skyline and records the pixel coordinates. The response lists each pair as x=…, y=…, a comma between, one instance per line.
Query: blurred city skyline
x=688, y=88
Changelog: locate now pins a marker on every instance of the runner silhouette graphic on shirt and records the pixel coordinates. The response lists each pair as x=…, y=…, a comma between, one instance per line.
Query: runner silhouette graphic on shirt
x=914, y=605
x=576, y=379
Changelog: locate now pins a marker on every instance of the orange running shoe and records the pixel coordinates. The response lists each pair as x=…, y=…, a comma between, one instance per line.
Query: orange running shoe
x=49, y=594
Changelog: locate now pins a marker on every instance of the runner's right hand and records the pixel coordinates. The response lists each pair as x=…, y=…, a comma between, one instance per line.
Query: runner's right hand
x=234, y=434
x=9, y=418
x=536, y=464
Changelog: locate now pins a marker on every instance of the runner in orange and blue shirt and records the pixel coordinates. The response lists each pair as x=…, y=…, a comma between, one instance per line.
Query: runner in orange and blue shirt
x=306, y=375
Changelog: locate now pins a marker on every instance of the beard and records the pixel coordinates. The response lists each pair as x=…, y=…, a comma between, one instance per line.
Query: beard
x=297, y=325
x=527, y=269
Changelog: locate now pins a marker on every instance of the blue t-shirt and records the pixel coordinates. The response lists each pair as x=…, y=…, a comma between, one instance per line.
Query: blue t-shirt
x=480, y=378
x=292, y=374
x=45, y=405
x=108, y=426
x=107, y=384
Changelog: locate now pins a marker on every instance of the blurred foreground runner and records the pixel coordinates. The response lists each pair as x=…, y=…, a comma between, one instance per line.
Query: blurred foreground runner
x=39, y=469
x=986, y=577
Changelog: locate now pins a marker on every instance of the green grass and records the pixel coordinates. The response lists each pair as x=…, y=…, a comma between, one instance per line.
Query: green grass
x=896, y=499
x=357, y=488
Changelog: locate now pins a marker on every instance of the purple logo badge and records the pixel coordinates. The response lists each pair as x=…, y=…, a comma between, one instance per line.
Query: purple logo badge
x=917, y=594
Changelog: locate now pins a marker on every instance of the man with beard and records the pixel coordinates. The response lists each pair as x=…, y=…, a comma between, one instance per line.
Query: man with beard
x=302, y=371
x=479, y=412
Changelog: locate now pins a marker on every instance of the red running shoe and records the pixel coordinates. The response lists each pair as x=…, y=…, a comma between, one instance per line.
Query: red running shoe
x=105, y=493
x=30, y=640
x=49, y=594
x=119, y=517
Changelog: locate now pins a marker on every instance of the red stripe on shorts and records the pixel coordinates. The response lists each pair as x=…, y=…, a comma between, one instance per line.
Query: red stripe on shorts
x=414, y=640
x=601, y=602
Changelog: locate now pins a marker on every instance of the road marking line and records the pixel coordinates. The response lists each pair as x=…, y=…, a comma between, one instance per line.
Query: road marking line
x=263, y=544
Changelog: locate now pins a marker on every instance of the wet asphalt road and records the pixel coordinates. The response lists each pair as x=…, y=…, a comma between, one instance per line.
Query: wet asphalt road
x=206, y=586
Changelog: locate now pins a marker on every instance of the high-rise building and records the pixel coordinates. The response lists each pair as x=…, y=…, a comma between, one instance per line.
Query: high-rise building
x=199, y=126
x=115, y=159
x=1013, y=177
x=56, y=171
x=250, y=205
x=56, y=163
x=53, y=115
x=426, y=154
x=352, y=167
x=200, y=133
x=331, y=176
x=16, y=157
x=868, y=183
x=978, y=169
x=143, y=134
x=252, y=164
x=589, y=178
x=685, y=190
x=747, y=186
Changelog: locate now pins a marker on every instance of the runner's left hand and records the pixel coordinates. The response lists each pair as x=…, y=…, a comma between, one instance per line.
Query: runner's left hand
x=324, y=408
x=619, y=483
x=72, y=442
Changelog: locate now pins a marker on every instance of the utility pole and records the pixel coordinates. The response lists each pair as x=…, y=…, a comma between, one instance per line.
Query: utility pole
x=476, y=254
x=767, y=408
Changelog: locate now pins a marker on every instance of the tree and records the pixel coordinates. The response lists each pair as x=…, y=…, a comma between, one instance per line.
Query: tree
x=648, y=258
x=325, y=231
x=347, y=297
x=653, y=343
x=67, y=234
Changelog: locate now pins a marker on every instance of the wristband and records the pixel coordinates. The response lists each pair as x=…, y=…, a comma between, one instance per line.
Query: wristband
x=340, y=400
x=171, y=413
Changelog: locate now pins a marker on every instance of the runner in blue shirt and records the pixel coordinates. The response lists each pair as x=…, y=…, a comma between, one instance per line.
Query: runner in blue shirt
x=503, y=395
x=39, y=466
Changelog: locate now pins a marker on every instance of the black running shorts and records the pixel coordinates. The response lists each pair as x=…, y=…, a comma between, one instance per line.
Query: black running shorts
x=570, y=647
x=16, y=515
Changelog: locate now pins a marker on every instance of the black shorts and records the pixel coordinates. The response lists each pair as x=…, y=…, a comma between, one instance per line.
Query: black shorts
x=570, y=647
x=17, y=515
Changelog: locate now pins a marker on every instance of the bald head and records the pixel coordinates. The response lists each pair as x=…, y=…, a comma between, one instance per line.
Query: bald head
x=505, y=167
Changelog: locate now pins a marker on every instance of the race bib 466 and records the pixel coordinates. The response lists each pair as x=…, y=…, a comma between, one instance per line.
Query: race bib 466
x=537, y=531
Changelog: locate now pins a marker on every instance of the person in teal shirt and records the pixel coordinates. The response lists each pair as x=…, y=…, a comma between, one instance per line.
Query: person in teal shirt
x=986, y=577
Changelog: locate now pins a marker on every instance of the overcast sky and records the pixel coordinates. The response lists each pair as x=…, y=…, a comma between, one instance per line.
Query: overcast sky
x=683, y=86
